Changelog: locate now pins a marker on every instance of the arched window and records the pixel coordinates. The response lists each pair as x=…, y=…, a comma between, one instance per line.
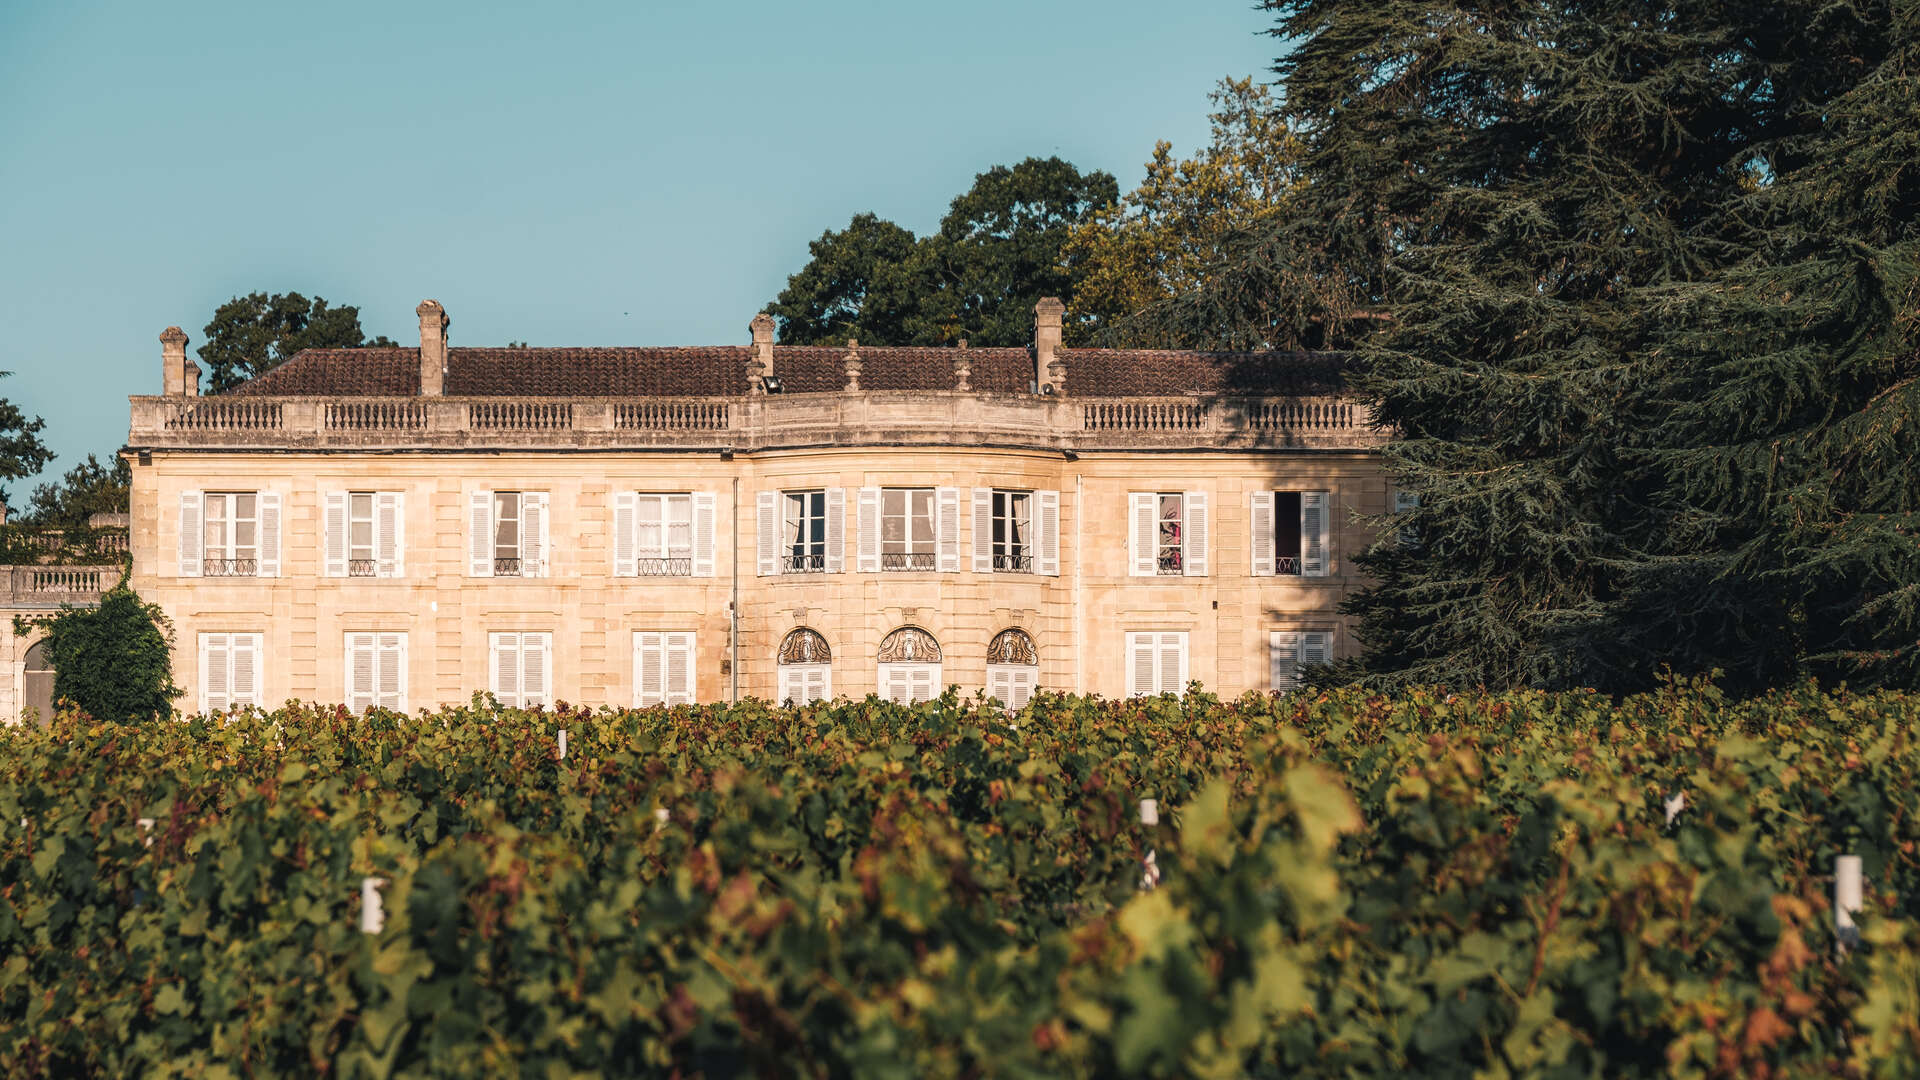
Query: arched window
x=38, y=684
x=1013, y=668
x=806, y=668
x=909, y=666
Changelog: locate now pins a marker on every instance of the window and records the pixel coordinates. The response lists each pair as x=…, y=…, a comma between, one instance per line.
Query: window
x=1016, y=532
x=376, y=671
x=1287, y=650
x=802, y=531
x=1167, y=533
x=662, y=668
x=229, y=671
x=507, y=533
x=909, y=666
x=804, y=537
x=363, y=532
x=520, y=668
x=1013, y=668
x=1156, y=663
x=229, y=534
x=1406, y=502
x=906, y=529
x=663, y=535
x=806, y=668
x=1290, y=533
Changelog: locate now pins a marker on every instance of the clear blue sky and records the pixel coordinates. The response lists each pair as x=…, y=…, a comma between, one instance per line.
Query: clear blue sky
x=567, y=173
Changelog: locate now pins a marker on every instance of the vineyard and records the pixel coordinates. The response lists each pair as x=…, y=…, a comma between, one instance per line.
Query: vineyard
x=1476, y=886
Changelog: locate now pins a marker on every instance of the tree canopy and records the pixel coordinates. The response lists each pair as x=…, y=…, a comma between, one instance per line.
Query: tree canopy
x=22, y=454
x=997, y=252
x=87, y=489
x=253, y=334
x=113, y=661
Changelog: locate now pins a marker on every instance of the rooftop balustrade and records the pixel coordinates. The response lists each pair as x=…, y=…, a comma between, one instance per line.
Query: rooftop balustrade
x=51, y=586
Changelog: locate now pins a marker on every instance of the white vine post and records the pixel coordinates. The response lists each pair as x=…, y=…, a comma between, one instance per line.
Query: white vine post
x=563, y=744
x=1149, y=866
x=147, y=824
x=373, y=918
x=1846, y=901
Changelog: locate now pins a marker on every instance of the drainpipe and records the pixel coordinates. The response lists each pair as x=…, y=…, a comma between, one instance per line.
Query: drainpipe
x=733, y=608
x=1079, y=599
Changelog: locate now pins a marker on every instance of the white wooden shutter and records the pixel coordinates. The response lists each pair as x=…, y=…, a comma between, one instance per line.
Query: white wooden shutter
x=791, y=685
x=768, y=511
x=679, y=681
x=1141, y=665
x=946, y=503
x=625, y=533
x=480, y=535
x=269, y=564
x=920, y=682
x=983, y=530
x=649, y=667
x=503, y=662
x=819, y=682
x=1173, y=664
x=1405, y=502
x=1283, y=659
x=216, y=673
x=390, y=692
x=894, y=684
x=193, y=534
x=534, y=506
x=868, y=559
x=1046, y=524
x=536, y=674
x=333, y=527
x=1143, y=522
x=1313, y=534
x=836, y=560
x=1023, y=682
x=704, y=533
x=246, y=669
x=1000, y=684
x=1316, y=647
x=390, y=534
x=1260, y=542
x=1194, y=537
x=361, y=674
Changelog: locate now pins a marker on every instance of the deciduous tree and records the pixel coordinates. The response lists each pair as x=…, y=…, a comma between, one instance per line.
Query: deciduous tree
x=251, y=335
x=21, y=452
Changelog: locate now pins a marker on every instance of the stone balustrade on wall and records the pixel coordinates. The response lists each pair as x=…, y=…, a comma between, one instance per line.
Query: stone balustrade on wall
x=31, y=587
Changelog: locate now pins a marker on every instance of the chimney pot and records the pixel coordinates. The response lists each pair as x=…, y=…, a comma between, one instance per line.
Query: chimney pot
x=174, y=364
x=433, y=347
x=762, y=369
x=1050, y=369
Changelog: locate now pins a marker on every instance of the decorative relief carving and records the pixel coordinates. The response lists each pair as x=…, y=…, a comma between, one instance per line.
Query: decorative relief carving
x=909, y=645
x=1012, y=647
x=803, y=646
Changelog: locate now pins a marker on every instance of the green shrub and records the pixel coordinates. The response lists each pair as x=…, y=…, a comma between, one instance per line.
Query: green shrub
x=113, y=661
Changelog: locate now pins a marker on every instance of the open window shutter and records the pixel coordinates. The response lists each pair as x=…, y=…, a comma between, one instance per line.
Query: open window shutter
x=269, y=566
x=1142, y=522
x=836, y=530
x=480, y=534
x=983, y=530
x=246, y=669
x=216, y=674
x=361, y=674
x=868, y=559
x=1195, y=549
x=647, y=665
x=534, y=507
x=1140, y=665
x=193, y=534
x=535, y=673
x=1316, y=647
x=703, y=534
x=1283, y=659
x=768, y=511
x=392, y=688
x=624, y=534
x=333, y=527
x=679, y=685
x=1047, y=532
x=946, y=502
x=390, y=533
x=1173, y=664
x=1313, y=534
x=1260, y=514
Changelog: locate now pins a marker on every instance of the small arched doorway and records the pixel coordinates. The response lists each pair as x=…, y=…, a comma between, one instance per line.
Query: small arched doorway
x=909, y=666
x=1013, y=668
x=37, y=688
x=806, y=668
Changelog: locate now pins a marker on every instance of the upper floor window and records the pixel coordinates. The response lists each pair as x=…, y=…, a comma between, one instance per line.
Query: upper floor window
x=230, y=534
x=507, y=533
x=663, y=535
x=1016, y=532
x=804, y=539
x=906, y=529
x=802, y=531
x=363, y=533
x=1167, y=533
x=1290, y=533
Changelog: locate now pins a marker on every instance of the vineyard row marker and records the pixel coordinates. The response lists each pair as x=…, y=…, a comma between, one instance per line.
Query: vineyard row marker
x=1846, y=901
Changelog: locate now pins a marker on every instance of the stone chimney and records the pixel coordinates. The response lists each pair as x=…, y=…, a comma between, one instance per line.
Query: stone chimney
x=433, y=347
x=1049, y=369
x=762, y=326
x=851, y=365
x=179, y=376
x=962, y=368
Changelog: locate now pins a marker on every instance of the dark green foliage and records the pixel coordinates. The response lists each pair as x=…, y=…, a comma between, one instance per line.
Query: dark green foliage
x=998, y=251
x=87, y=489
x=113, y=661
x=253, y=334
x=21, y=452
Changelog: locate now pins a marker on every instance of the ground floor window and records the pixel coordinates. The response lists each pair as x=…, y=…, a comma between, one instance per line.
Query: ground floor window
x=37, y=684
x=662, y=668
x=1013, y=668
x=376, y=675
x=1289, y=650
x=806, y=668
x=520, y=667
x=229, y=671
x=909, y=666
x=1156, y=663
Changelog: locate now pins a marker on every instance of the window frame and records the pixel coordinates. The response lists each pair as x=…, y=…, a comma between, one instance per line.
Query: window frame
x=228, y=551
x=801, y=555
x=1007, y=555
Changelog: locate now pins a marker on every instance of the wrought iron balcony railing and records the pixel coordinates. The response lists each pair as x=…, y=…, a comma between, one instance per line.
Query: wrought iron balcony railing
x=506, y=568
x=804, y=564
x=362, y=568
x=665, y=567
x=1013, y=564
x=230, y=567
x=907, y=560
